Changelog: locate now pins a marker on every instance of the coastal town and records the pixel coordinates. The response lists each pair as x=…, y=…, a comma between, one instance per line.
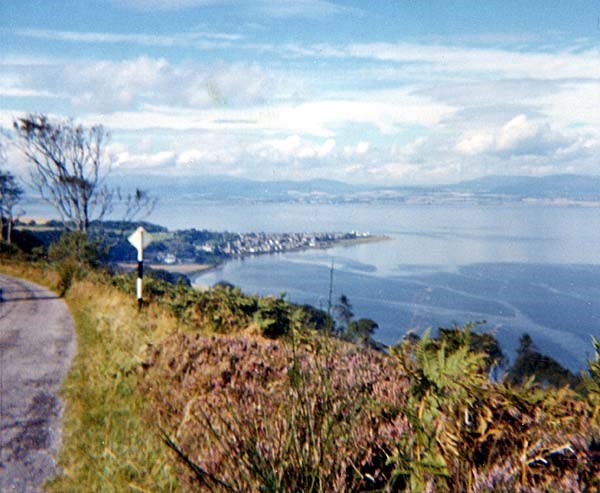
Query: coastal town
x=235, y=245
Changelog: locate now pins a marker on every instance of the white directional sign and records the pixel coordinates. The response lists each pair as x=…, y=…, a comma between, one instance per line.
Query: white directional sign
x=140, y=239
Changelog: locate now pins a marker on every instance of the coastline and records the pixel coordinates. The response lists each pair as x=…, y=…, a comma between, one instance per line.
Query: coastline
x=361, y=240
x=193, y=270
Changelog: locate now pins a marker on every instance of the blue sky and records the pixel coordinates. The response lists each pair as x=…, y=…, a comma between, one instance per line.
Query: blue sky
x=393, y=92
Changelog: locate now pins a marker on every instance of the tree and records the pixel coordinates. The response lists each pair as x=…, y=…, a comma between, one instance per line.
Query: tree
x=10, y=195
x=343, y=313
x=138, y=203
x=361, y=330
x=70, y=164
x=526, y=345
x=546, y=370
x=348, y=329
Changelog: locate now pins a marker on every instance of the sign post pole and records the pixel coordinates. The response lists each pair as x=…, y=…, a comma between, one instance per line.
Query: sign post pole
x=140, y=275
x=140, y=238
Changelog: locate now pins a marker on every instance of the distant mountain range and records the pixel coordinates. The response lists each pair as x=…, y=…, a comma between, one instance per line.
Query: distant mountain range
x=551, y=186
x=487, y=189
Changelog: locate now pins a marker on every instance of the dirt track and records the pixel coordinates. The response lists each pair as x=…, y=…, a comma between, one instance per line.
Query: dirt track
x=37, y=344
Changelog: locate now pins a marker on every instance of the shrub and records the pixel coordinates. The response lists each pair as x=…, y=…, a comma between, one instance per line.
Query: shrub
x=74, y=254
x=8, y=250
x=244, y=415
x=468, y=433
x=248, y=415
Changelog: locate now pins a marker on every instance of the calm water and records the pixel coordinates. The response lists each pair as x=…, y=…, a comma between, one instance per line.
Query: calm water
x=532, y=269
x=520, y=268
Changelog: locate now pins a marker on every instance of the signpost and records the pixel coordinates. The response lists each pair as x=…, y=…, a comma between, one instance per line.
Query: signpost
x=140, y=239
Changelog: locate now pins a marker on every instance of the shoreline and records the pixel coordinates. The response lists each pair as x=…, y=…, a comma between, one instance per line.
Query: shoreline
x=193, y=270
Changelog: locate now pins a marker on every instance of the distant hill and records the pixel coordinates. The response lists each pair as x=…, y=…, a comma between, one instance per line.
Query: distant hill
x=551, y=186
x=231, y=188
x=224, y=188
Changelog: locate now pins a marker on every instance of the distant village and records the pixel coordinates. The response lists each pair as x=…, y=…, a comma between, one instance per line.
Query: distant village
x=246, y=244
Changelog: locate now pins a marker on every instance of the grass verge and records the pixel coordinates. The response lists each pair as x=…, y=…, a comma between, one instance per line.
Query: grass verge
x=106, y=444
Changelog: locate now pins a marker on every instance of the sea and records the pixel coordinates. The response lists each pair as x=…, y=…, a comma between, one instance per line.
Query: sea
x=514, y=269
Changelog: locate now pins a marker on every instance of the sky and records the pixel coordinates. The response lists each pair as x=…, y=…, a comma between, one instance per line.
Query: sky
x=398, y=92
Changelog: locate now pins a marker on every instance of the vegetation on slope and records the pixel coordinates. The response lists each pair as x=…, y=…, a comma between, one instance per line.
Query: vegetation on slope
x=107, y=445
x=220, y=391
x=250, y=415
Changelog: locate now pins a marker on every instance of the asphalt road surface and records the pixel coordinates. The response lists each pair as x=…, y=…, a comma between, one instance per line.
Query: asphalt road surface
x=37, y=344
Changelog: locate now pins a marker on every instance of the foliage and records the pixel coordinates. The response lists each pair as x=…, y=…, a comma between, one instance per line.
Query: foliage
x=303, y=412
x=360, y=331
x=348, y=329
x=70, y=163
x=245, y=415
x=8, y=249
x=10, y=194
x=343, y=313
x=225, y=309
x=106, y=446
x=74, y=254
x=546, y=370
x=478, y=342
x=591, y=386
x=468, y=433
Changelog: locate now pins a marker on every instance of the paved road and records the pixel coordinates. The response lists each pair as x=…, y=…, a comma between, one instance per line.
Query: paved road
x=37, y=344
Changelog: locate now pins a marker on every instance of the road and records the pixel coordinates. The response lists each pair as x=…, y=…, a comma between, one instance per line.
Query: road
x=37, y=344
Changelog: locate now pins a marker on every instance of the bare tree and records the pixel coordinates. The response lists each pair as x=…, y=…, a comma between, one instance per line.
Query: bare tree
x=137, y=204
x=70, y=164
x=10, y=195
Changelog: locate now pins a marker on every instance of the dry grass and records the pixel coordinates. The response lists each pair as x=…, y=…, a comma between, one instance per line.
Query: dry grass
x=248, y=414
x=257, y=415
x=245, y=414
x=107, y=446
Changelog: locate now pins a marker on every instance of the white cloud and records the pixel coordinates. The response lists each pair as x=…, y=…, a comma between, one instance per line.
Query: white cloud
x=108, y=86
x=274, y=8
x=519, y=136
x=17, y=92
x=501, y=63
x=292, y=148
x=476, y=142
x=360, y=149
x=200, y=39
x=125, y=161
x=12, y=85
x=169, y=4
x=574, y=103
x=208, y=157
x=304, y=8
x=447, y=112
x=318, y=118
x=323, y=117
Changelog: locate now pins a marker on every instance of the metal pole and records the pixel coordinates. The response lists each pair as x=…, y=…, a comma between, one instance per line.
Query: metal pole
x=140, y=271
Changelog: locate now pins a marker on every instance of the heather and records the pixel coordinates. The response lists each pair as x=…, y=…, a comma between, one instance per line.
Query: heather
x=249, y=414
x=223, y=391
x=256, y=416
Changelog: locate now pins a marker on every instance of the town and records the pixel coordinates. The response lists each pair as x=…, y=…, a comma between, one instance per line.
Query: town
x=235, y=245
